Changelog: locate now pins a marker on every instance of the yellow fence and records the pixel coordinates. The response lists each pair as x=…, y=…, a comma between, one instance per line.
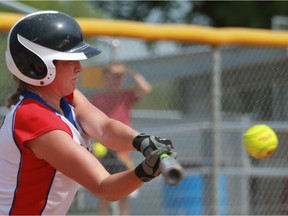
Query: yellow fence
x=175, y=32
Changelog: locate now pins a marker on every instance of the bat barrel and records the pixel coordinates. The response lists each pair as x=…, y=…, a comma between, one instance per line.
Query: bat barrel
x=171, y=170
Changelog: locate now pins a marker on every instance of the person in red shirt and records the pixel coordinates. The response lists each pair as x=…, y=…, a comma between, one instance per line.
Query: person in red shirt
x=117, y=102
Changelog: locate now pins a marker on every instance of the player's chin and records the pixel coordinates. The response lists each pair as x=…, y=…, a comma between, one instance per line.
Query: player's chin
x=73, y=84
x=71, y=89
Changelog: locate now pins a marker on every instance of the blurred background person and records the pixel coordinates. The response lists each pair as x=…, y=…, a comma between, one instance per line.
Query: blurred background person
x=116, y=101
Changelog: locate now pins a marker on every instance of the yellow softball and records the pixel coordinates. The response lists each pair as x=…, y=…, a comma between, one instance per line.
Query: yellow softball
x=99, y=150
x=260, y=141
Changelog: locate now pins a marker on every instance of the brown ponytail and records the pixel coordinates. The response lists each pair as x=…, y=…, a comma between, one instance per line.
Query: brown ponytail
x=14, y=98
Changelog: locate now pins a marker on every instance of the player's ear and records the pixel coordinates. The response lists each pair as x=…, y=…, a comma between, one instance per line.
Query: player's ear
x=38, y=68
x=38, y=71
x=41, y=69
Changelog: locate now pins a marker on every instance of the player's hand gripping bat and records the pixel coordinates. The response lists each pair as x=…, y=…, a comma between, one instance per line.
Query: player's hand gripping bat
x=171, y=170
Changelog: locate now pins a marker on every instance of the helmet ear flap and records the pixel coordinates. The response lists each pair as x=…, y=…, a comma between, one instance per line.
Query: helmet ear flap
x=36, y=67
x=38, y=71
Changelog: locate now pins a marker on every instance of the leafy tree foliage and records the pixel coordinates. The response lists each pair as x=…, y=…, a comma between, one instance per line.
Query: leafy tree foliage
x=73, y=8
x=256, y=14
x=161, y=11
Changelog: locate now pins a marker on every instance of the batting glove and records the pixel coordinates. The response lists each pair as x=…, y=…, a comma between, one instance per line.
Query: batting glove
x=146, y=144
x=149, y=168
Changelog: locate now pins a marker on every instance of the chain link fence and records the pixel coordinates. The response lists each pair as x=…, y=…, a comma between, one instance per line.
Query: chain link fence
x=203, y=99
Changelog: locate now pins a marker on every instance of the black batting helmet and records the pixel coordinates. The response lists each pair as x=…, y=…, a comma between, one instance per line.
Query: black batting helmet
x=38, y=39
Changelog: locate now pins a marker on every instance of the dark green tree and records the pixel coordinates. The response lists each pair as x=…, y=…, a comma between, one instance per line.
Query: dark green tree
x=255, y=14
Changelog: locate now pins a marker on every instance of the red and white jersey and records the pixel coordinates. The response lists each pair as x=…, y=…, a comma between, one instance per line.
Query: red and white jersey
x=28, y=185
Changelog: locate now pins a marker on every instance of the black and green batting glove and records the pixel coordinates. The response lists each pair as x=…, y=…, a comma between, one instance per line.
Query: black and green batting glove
x=146, y=143
x=149, y=168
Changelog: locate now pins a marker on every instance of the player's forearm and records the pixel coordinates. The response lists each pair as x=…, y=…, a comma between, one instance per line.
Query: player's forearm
x=119, y=185
x=97, y=125
x=118, y=136
x=111, y=133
